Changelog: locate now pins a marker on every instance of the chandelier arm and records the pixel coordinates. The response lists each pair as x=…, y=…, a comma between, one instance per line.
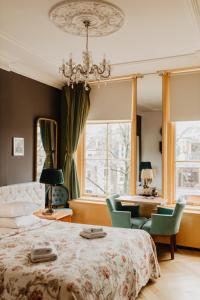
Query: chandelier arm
x=78, y=68
x=106, y=76
x=98, y=69
x=66, y=74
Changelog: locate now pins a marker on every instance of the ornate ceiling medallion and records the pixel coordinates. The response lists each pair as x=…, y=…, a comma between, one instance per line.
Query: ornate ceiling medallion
x=104, y=18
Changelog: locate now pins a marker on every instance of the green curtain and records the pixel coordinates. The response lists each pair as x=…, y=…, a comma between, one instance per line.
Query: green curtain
x=75, y=105
x=46, y=131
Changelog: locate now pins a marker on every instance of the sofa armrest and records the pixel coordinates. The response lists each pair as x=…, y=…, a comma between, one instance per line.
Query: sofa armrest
x=162, y=225
x=121, y=219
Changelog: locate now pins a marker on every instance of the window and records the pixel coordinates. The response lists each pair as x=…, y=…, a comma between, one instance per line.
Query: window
x=107, y=158
x=188, y=161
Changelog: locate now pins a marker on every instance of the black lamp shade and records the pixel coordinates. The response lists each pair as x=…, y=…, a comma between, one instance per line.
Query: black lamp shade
x=52, y=176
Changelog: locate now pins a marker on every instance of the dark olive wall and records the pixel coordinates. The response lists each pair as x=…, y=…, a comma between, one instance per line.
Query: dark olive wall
x=22, y=101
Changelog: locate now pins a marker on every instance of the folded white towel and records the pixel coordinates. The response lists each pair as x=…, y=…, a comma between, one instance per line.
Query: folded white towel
x=93, y=235
x=44, y=257
x=41, y=248
x=93, y=229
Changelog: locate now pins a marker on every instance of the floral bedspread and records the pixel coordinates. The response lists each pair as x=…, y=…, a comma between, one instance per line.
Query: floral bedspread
x=115, y=267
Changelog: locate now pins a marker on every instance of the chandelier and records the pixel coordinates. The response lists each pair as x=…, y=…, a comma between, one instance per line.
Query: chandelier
x=86, y=18
x=86, y=71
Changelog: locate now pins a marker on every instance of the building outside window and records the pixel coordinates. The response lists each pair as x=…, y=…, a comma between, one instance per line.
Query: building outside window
x=107, y=158
x=188, y=161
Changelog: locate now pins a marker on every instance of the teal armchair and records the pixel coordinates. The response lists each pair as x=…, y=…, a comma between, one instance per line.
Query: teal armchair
x=123, y=215
x=166, y=223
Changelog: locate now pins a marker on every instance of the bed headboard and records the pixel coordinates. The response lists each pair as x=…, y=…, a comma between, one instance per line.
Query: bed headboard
x=33, y=192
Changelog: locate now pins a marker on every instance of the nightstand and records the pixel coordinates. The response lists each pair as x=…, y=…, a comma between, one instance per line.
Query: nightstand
x=64, y=215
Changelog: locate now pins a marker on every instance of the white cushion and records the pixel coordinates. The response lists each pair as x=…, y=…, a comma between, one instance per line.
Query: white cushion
x=17, y=209
x=18, y=222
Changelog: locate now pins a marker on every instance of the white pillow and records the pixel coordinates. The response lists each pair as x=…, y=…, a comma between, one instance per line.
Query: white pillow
x=17, y=209
x=18, y=222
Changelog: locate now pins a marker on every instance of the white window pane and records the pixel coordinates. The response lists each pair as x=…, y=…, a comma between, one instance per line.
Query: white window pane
x=96, y=141
x=188, y=141
x=119, y=135
x=118, y=176
x=107, y=158
x=95, y=177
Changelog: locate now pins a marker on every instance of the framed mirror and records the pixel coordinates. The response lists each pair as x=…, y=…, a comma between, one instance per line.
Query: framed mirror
x=46, y=145
x=149, y=136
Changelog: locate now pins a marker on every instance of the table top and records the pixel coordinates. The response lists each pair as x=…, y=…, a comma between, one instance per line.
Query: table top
x=141, y=200
x=57, y=214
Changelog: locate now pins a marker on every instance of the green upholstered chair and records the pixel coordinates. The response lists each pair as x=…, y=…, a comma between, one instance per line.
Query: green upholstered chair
x=166, y=223
x=124, y=216
x=60, y=196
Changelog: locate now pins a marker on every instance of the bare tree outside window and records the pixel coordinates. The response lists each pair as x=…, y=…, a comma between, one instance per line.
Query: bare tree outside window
x=107, y=158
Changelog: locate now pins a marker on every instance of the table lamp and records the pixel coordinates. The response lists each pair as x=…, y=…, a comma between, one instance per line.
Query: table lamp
x=51, y=177
x=147, y=177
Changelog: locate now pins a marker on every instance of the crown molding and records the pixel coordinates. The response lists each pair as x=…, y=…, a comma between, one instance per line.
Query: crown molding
x=4, y=63
x=194, y=8
x=13, y=66
x=141, y=66
x=155, y=64
x=7, y=63
x=45, y=71
x=36, y=75
x=25, y=48
x=158, y=59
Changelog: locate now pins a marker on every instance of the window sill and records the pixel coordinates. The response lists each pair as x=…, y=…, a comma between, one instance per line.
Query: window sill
x=93, y=198
x=90, y=200
x=101, y=201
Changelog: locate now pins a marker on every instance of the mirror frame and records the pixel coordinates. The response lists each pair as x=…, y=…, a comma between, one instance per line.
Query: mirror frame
x=36, y=143
x=165, y=120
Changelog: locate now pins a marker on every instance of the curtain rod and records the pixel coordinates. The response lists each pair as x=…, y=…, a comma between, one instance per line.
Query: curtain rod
x=141, y=75
x=117, y=78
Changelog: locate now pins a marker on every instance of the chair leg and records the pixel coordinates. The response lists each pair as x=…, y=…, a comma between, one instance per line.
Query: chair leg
x=175, y=246
x=172, y=246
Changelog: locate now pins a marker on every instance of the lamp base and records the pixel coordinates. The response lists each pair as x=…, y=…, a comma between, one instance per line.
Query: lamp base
x=48, y=211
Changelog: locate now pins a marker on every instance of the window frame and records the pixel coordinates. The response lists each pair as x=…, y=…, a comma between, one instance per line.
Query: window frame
x=189, y=206
x=81, y=151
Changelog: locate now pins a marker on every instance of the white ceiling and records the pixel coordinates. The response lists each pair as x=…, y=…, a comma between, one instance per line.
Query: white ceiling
x=157, y=34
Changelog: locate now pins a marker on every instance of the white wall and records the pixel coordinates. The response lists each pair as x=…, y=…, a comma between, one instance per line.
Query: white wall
x=111, y=102
x=185, y=97
x=151, y=124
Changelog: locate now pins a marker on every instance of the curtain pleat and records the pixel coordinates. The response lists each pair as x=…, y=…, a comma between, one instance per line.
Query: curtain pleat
x=75, y=104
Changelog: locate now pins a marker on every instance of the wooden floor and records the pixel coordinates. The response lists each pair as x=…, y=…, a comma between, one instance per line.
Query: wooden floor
x=180, y=278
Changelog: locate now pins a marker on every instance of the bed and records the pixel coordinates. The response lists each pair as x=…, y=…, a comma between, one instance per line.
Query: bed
x=115, y=267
